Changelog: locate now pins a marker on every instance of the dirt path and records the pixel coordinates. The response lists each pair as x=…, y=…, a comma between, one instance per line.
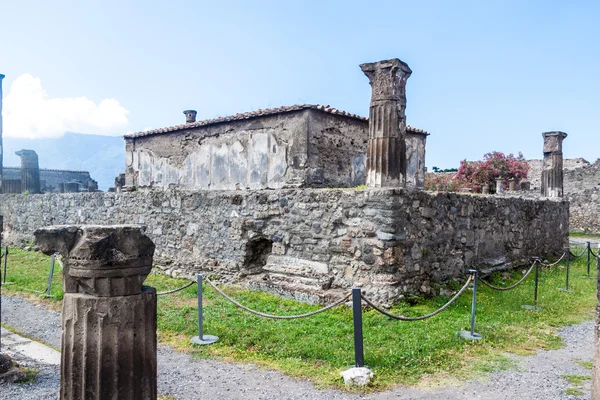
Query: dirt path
x=536, y=377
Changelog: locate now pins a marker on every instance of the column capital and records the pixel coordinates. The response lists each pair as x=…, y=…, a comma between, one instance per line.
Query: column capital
x=388, y=79
x=104, y=261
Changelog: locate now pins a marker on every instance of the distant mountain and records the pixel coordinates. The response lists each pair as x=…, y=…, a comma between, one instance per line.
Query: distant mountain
x=102, y=156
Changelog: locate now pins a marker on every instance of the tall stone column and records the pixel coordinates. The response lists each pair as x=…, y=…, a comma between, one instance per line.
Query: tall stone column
x=30, y=171
x=1, y=147
x=386, y=154
x=552, y=169
x=108, y=317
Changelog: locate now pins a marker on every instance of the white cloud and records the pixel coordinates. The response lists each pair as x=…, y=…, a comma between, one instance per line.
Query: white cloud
x=30, y=113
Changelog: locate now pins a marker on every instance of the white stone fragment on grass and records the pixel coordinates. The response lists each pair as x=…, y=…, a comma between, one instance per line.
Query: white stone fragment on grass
x=357, y=376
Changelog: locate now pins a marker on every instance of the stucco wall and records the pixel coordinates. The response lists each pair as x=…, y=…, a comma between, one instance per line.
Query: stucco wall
x=264, y=152
x=314, y=243
x=415, y=159
x=337, y=148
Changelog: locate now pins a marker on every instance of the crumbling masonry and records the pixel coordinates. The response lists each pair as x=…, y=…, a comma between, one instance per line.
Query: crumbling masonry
x=269, y=199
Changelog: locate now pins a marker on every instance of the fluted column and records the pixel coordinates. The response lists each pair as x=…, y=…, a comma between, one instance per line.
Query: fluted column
x=386, y=153
x=108, y=317
x=30, y=171
x=552, y=169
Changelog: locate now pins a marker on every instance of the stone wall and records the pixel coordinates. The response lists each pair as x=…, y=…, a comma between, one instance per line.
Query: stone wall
x=315, y=243
x=574, y=169
x=585, y=211
x=581, y=188
x=301, y=148
x=50, y=178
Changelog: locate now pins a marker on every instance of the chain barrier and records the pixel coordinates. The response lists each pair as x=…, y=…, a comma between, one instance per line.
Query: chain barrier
x=176, y=290
x=582, y=253
x=594, y=254
x=404, y=318
x=554, y=263
x=264, y=315
x=512, y=286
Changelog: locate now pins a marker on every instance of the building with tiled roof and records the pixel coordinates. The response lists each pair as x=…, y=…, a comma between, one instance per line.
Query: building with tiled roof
x=302, y=145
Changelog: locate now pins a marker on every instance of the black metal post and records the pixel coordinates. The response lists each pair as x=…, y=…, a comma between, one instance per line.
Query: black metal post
x=359, y=357
x=202, y=338
x=589, y=250
x=537, y=280
x=472, y=335
x=534, y=307
x=568, y=267
x=52, y=259
x=566, y=289
x=5, y=261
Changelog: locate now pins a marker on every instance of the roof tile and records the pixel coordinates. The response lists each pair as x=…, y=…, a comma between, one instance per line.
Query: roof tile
x=253, y=114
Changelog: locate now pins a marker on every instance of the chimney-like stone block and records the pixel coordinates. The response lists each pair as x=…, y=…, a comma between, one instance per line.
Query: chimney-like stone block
x=552, y=167
x=190, y=116
x=108, y=317
x=386, y=153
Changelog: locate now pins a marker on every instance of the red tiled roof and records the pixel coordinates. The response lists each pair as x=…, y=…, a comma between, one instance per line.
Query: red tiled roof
x=254, y=114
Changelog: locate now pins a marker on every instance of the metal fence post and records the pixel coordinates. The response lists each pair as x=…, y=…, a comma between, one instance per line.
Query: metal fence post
x=589, y=250
x=534, y=307
x=566, y=289
x=471, y=335
x=359, y=356
x=5, y=262
x=52, y=259
x=202, y=338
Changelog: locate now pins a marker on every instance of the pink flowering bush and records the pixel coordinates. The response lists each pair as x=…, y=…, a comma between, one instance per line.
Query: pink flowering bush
x=477, y=174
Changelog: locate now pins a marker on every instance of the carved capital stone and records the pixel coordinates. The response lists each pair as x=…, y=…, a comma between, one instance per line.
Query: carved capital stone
x=388, y=79
x=108, y=317
x=103, y=261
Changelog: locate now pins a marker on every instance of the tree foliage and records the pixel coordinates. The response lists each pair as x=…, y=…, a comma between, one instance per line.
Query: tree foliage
x=477, y=174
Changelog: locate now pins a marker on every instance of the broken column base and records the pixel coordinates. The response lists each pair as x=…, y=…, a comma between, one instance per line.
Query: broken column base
x=109, y=347
x=357, y=376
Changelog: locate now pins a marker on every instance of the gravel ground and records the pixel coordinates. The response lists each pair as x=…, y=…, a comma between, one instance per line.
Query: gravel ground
x=537, y=377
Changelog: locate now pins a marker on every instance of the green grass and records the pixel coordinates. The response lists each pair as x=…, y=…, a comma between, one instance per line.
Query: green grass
x=576, y=380
x=573, y=392
x=586, y=364
x=320, y=347
x=30, y=374
x=586, y=234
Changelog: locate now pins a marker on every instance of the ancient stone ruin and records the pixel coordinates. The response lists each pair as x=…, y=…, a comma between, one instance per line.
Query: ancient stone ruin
x=273, y=199
x=552, y=173
x=108, y=317
x=386, y=160
x=29, y=177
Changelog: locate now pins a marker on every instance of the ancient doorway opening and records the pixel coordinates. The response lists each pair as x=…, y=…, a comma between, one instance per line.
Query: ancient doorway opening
x=257, y=251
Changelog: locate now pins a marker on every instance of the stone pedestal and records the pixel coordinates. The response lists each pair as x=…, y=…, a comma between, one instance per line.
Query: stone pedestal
x=108, y=318
x=499, y=186
x=386, y=153
x=512, y=185
x=552, y=168
x=30, y=171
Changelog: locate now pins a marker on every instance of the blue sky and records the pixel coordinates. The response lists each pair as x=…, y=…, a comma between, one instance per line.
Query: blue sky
x=486, y=75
